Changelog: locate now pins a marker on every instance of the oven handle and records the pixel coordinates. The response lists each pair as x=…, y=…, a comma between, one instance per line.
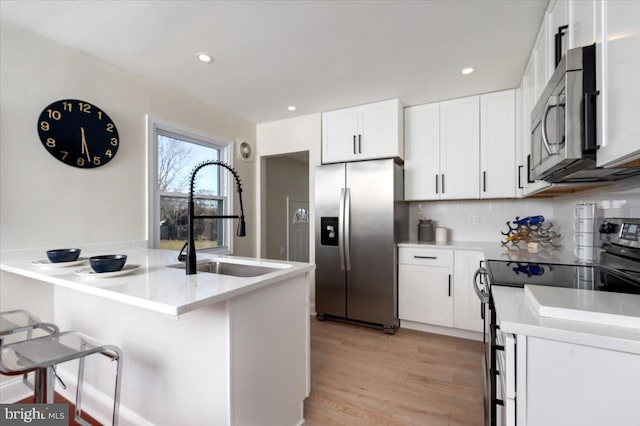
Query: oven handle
x=483, y=296
x=545, y=115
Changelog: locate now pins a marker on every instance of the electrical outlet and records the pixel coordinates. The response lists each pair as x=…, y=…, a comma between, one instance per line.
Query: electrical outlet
x=473, y=219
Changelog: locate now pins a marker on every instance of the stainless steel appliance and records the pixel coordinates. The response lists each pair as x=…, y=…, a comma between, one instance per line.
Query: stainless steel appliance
x=360, y=217
x=617, y=270
x=563, y=125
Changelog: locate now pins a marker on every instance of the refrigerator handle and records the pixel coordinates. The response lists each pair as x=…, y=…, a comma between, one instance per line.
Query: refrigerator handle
x=347, y=227
x=341, y=229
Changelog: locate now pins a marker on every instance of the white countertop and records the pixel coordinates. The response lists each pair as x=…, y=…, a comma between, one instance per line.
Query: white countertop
x=517, y=315
x=154, y=286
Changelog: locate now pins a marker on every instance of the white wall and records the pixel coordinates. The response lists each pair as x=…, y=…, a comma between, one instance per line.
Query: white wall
x=282, y=137
x=46, y=203
x=492, y=216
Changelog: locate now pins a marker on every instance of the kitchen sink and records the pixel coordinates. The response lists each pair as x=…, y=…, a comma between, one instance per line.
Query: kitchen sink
x=232, y=269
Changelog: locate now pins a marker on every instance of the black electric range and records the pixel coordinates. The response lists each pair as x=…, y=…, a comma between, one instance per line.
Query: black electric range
x=618, y=269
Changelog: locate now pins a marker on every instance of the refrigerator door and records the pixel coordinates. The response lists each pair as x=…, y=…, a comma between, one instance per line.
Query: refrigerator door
x=330, y=268
x=371, y=278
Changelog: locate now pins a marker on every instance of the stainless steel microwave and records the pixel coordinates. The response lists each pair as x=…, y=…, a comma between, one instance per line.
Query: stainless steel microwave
x=563, y=125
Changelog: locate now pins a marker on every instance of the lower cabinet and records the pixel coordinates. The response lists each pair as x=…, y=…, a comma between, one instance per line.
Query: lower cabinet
x=435, y=287
x=425, y=294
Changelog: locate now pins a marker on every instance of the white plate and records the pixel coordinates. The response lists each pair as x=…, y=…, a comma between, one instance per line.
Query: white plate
x=46, y=263
x=88, y=272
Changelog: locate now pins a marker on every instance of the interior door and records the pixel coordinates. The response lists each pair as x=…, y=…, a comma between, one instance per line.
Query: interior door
x=297, y=230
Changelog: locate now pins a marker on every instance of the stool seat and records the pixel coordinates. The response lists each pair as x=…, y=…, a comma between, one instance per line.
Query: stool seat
x=42, y=354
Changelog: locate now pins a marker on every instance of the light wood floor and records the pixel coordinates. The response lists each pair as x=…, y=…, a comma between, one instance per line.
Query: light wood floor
x=361, y=376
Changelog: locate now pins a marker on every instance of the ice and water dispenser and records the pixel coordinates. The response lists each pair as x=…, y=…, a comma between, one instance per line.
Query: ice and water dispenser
x=329, y=231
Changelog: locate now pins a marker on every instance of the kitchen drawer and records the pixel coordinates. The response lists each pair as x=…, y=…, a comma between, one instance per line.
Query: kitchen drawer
x=506, y=362
x=426, y=257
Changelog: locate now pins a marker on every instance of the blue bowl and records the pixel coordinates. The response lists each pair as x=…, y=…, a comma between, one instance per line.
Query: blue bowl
x=63, y=255
x=108, y=263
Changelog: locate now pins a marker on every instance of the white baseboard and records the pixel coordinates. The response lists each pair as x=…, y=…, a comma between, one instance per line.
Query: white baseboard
x=95, y=403
x=436, y=329
x=12, y=390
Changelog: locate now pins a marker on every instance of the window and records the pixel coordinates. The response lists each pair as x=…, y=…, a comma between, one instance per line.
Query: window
x=174, y=155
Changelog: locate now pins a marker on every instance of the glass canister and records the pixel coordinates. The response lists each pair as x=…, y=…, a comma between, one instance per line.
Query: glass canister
x=425, y=230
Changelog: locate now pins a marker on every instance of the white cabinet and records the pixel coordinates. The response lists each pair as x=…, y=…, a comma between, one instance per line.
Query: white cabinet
x=364, y=132
x=582, y=22
x=443, y=150
x=497, y=145
x=570, y=384
x=422, y=149
x=425, y=287
x=459, y=148
x=466, y=305
x=617, y=52
x=557, y=23
x=541, y=63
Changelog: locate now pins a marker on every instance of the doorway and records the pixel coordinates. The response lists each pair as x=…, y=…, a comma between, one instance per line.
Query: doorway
x=286, y=214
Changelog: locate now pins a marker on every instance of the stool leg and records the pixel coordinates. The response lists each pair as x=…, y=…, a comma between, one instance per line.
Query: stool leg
x=78, y=413
x=116, y=396
x=40, y=385
x=51, y=383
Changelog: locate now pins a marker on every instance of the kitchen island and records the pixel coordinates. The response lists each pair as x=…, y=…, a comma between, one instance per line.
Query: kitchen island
x=198, y=349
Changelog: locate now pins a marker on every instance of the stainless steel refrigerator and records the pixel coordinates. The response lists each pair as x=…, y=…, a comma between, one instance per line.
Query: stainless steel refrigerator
x=360, y=216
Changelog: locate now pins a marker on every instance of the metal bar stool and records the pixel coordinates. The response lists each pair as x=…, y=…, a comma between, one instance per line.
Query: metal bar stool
x=42, y=353
x=17, y=322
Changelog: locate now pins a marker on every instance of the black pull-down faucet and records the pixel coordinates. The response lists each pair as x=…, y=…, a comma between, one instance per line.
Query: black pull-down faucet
x=190, y=244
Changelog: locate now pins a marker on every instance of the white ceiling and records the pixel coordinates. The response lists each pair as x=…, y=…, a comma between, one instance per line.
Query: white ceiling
x=316, y=55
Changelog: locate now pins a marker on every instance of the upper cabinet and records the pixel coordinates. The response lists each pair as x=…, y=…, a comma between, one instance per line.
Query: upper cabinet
x=442, y=145
x=497, y=144
x=582, y=28
x=618, y=68
x=362, y=133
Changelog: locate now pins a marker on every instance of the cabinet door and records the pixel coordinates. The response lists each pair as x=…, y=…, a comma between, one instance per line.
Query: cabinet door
x=541, y=63
x=339, y=135
x=379, y=133
x=466, y=305
x=582, y=25
x=460, y=148
x=497, y=145
x=422, y=149
x=557, y=17
x=425, y=295
x=617, y=79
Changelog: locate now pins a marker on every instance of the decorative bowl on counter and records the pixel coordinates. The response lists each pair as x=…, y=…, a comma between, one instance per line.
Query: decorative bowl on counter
x=108, y=263
x=63, y=255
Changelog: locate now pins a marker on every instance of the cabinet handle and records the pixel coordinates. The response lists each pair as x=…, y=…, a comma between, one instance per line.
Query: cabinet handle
x=449, y=285
x=484, y=181
x=520, y=177
x=558, y=43
x=436, y=183
x=498, y=347
x=354, y=144
x=426, y=257
x=480, y=263
x=443, y=183
x=360, y=144
x=529, y=180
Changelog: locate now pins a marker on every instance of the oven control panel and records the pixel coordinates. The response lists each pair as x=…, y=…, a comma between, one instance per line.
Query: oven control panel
x=624, y=232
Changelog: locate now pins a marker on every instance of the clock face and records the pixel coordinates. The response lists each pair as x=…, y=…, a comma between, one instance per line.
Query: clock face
x=78, y=133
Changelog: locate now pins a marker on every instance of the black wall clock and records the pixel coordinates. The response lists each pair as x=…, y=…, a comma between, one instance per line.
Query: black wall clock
x=78, y=133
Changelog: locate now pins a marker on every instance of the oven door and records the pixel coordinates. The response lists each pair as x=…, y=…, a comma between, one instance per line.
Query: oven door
x=481, y=287
x=548, y=135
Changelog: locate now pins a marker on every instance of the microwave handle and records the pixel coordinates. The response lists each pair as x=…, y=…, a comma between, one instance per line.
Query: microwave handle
x=545, y=137
x=590, y=131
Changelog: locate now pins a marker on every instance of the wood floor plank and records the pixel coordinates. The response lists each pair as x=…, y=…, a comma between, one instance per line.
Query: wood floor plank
x=361, y=376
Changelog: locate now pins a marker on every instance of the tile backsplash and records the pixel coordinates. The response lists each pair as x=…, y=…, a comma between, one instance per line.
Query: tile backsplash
x=482, y=220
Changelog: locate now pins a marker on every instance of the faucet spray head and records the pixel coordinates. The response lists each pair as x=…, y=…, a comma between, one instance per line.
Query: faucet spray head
x=241, y=231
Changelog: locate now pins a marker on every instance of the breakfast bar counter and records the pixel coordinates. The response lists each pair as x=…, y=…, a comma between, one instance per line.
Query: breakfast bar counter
x=209, y=348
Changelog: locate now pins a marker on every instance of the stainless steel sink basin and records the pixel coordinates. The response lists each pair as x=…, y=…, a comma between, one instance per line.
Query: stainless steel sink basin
x=232, y=269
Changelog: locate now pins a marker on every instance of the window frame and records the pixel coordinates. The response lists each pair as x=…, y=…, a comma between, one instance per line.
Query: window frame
x=155, y=127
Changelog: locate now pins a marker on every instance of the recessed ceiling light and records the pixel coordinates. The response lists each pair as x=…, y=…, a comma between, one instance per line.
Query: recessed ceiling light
x=203, y=57
x=468, y=70
x=291, y=108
